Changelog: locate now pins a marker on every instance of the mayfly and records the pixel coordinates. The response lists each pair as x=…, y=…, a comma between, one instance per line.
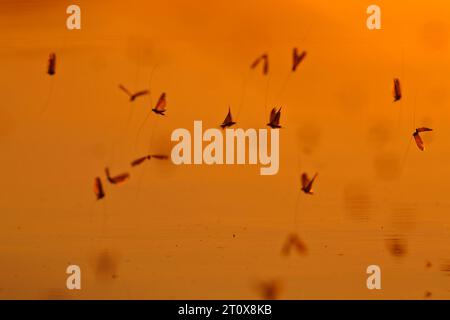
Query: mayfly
x=228, y=122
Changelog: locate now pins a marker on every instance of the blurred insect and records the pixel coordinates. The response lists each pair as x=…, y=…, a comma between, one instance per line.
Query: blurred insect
x=148, y=157
x=159, y=156
x=228, y=122
x=160, y=105
x=139, y=161
x=133, y=96
x=107, y=265
x=445, y=268
x=51, y=69
x=263, y=58
x=270, y=290
x=274, y=121
x=397, y=90
x=116, y=179
x=396, y=247
x=98, y=188
x=294, y=241
x=307, y=184
x=418, y=138
x=297, y=58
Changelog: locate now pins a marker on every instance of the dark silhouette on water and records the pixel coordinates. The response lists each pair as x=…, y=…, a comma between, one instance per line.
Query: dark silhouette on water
x=270, y=290
x=106, y=266
x=397, y=246
x=294, y=241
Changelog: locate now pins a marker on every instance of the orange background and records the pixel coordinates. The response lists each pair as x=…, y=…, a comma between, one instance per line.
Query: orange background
x=168, y=232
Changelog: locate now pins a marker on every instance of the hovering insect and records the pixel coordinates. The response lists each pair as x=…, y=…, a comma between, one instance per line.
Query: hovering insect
x=148, y=157
x=228, y=122
x=307, y=184
x=274, y=121
x=133, y=96
x=263, y=58
x=294, y=241
x=397, y=90
x=51, y=69
x=161, y=105
x=116, y=179
x=98, y=188
x=418, y=138
x=297, y=58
